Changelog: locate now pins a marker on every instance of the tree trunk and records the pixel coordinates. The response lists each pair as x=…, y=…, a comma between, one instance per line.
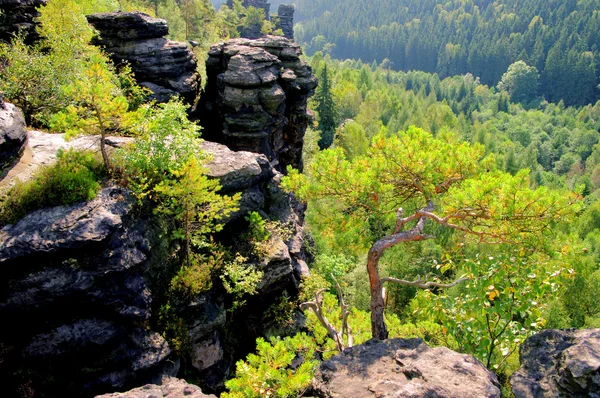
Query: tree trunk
x=378, y=328
x=103, y=150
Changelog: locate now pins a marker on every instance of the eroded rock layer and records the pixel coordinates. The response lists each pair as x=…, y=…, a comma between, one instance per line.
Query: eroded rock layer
x=18, y=16
x=164, y=66
x=559, y=363
x=256, y=97
x=399, y=368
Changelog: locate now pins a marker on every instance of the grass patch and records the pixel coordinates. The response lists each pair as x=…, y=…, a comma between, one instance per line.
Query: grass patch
x=75, y=177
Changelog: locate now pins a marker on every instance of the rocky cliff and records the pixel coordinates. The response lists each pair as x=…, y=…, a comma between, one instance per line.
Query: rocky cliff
x=77, y=284
x=74, y=294
x=256, y=98
x=18, y=16
x=165, y=67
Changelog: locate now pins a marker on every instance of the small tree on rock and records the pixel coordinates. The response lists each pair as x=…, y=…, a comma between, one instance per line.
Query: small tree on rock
x=100, y=106
x=440, y=181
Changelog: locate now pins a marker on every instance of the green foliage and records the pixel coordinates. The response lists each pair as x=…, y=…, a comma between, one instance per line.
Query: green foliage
x=165, y=140
x=240, y=280
x=257, y=230
x=520, y=82
x=192, y=199
x=31, y=79
x=75, y=177
x=174, y=329
x=193, y=279
x=559, y=38
x=326, y=110
x=501, y=305
x=100, y=107
x=269, y=372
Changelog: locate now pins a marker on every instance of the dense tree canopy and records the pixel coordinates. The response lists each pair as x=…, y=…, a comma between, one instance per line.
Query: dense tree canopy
x=560, y=38
x=439, y=180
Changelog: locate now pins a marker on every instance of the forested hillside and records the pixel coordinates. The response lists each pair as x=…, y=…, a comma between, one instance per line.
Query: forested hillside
x=560, y=38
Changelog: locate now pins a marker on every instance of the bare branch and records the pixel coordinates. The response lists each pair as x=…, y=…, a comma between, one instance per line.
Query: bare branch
x=345, y=313
x=424, y=284
x=317, y=307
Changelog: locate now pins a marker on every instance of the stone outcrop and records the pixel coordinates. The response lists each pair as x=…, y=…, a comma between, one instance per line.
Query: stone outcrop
x=559, y=363
x=75, y=298
x=166, y=67
x=80, y=278
x=256, y=98
x=169, y=388
x=18, y=16
x=41, y=150
x=285, y=20
x=403, y=368
x=13, y=136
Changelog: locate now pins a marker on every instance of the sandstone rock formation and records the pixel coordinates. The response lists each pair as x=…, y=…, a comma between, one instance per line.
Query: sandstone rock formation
x=164, y=66
x=75, y=298
x=403, y=368
x=18, y=16
x=256, y=98
x=79, y=276
x=169, y=388
x=13, y=135
x=559, y=363
x=285, y=20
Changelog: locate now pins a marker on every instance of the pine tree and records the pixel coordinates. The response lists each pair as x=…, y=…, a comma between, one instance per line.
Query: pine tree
x=326, y=110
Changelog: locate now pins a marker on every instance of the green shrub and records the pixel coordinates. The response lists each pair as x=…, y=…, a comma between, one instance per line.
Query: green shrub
x=74, y=178
x=269, y=372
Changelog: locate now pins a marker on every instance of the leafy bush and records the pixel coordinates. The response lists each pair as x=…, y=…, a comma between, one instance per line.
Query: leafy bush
x=240, y=280
x=270, y=373
x=74, y=178
x=257, y=231
x=165, y=140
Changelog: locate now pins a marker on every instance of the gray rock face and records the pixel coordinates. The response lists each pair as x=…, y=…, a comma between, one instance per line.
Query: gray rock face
x=19, y=16
x=73, y=291
x=256, y=97
x=559, y=363
x=60, y=228
x=169, y=388
x=404, y=368
x=285, y=20
x=13, y=136
x=160, y=64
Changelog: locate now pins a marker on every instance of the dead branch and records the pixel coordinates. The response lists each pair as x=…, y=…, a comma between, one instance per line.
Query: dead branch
x=317, y=306
x=345, y=313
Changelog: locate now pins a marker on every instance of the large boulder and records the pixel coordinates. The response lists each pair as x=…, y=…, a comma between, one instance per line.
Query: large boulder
x=256, y=98
x=19, y=16
x=165, y=67
x=559, y=363
x=404, y=369
x=13, y=136
x=169, y=388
